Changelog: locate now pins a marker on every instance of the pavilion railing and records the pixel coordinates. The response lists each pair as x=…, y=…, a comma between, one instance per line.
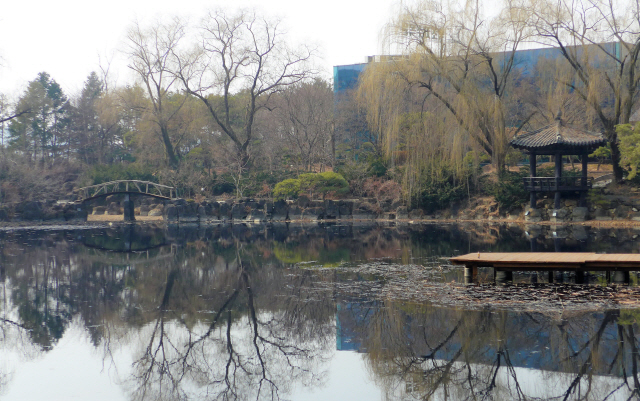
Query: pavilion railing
x=552, y=184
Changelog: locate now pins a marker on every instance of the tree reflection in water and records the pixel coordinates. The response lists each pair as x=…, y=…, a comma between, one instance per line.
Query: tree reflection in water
x=224, y=313
x=217, y=320
x=427, y=352
x=256, y=345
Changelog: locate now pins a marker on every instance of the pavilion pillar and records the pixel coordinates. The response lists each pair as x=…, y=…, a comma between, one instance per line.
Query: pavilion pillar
x=558, y=158
x=583, y=183
x=532, y=173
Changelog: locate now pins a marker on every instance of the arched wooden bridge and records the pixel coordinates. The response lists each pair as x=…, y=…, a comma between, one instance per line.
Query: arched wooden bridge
x=129, y=187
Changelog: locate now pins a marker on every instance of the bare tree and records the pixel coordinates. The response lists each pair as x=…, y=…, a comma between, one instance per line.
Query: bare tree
x=242, y=61
x=600, y=41
x=304, y=122
x=150, y=57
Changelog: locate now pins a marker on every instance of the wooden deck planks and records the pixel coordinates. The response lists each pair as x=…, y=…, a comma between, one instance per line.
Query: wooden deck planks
x=550, y=260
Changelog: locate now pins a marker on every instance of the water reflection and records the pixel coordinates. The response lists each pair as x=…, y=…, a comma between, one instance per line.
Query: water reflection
x=429, y=352
x=253, y=344
x=225, y=312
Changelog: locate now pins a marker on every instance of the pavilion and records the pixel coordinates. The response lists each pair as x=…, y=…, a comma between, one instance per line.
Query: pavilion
x=558, y=139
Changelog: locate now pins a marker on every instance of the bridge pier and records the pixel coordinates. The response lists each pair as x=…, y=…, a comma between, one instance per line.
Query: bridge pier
x=470, y=274
x=502, y=276
x=129, y=208
x=621, y=277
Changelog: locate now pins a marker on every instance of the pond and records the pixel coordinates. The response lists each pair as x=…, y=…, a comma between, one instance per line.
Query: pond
x=309, y=312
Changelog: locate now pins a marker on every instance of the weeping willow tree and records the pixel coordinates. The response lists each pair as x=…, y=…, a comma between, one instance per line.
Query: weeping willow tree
x=457, y=58
x=408, y=122
x=449, y=91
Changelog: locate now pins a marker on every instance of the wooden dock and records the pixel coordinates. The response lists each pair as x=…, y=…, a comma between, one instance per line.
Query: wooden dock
x=579, y=262
x=586, y=261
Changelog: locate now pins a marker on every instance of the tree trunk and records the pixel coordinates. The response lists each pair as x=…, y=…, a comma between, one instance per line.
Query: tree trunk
x=168, y=146
x=498, y=162
x=615, y=160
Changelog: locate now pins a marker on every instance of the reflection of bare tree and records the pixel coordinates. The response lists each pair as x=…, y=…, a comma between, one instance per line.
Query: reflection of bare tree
x=14, y=336
x=248, y=350
x=433, y=353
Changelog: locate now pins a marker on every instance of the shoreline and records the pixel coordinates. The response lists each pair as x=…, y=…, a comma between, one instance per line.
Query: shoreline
x=106, y=220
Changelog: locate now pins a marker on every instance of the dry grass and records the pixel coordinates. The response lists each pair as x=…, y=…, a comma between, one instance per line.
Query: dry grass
x=120, y=217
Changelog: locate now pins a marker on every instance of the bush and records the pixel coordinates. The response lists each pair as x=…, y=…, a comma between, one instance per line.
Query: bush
x=255, y=184
x=377, y=167
x=629, y=143
x=355, y=173
x=509, y=191
x=596, y=198
x=308, y=183
x=438, y=194
x=383, y=190
x=438, y=186
x=327, y=183
x=602, y=153
x=287, y=189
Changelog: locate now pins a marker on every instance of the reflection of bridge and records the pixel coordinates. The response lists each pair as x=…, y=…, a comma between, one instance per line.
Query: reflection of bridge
x=128, y=188
x=129, y=258
x=126, y=247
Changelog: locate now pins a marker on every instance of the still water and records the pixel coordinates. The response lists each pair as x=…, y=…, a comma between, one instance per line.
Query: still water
x=136, y=312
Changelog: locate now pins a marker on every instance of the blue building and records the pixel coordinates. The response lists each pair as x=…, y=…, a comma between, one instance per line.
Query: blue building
x=346, y=76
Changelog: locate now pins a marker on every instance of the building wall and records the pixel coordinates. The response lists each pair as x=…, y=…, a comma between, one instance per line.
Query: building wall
x=346, y=76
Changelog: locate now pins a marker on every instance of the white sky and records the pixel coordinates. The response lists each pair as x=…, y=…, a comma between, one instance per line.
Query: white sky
x=67, y=38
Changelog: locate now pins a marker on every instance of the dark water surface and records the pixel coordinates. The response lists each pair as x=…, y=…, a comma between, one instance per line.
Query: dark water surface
x=242, y=312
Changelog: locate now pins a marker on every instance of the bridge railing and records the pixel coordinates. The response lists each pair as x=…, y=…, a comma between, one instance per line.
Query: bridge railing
x=129, y=186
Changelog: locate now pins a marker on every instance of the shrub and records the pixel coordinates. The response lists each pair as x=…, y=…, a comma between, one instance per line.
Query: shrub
x=602, y=153
x=333, y=183
x=439, y=194
x=377, y=167
x=383, y=190
x=308, y=183
x=327, y=183
x=355, y=173
x=437, y=185
x=287, y=189
x=629, y=143
x=596, y=198
x=509, y=191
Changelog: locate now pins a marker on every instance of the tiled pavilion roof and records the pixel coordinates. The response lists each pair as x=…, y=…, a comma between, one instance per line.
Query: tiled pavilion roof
x=558, y=136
